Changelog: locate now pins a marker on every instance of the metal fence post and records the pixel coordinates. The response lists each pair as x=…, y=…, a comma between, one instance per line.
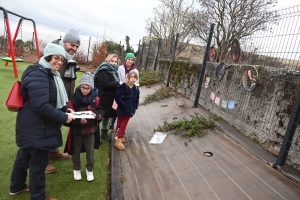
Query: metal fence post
x=204, y=65
x=147, y=58
x=289, y=134
x=172, y=63
x=158, y=48
x=141, y=58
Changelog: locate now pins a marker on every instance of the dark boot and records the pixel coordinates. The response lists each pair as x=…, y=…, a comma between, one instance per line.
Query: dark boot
x=104, y=135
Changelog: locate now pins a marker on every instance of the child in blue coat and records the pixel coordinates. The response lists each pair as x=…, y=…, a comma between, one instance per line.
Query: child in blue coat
x=127, y=98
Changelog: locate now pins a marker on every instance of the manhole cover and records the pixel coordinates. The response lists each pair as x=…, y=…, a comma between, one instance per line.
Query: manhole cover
x=208, y=154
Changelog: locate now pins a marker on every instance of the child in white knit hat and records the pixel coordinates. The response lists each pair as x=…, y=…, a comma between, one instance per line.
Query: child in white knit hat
x=81, y=136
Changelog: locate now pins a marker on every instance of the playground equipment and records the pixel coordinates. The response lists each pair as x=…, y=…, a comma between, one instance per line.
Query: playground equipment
x=11, y=41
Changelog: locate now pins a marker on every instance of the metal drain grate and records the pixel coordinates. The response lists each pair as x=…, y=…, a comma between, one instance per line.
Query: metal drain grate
x=208, y=154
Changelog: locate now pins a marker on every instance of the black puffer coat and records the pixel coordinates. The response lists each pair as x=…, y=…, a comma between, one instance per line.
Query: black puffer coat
x=39, y=121
x=107, y=89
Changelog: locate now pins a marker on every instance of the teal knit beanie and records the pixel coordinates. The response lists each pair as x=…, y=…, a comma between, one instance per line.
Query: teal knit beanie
x=129, y=55
x=54, y=49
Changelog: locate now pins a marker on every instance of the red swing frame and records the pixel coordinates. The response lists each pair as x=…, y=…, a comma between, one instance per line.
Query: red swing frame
x=12, y=41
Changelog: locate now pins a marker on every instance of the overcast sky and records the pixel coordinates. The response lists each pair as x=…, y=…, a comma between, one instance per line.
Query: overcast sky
x=113, y=19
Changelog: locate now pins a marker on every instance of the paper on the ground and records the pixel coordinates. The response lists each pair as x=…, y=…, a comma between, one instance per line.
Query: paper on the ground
x=82, y=114
x=158, y=138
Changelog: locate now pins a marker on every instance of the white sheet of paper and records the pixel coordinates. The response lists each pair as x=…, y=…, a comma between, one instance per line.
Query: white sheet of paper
x=158, y=138
x=82, y=114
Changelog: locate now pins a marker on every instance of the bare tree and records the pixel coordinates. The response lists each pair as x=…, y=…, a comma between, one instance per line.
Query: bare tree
x=234, y=19
x=170, y=18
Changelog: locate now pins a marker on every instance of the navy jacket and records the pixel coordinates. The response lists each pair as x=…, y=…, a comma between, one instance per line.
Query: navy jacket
x=127, y=99
x=39, y=121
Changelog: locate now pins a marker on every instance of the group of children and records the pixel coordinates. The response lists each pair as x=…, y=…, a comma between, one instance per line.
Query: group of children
x=83, y=135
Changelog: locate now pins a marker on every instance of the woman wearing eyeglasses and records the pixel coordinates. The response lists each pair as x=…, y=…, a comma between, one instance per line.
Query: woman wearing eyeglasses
x=39, y=121
x=106, y=81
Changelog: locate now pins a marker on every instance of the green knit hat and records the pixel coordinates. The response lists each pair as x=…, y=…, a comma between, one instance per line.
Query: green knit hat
x=54, y=49
x=129, y=55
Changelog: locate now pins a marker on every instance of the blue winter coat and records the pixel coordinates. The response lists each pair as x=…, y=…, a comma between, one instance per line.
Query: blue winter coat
x=39, y=121
x=127, y=99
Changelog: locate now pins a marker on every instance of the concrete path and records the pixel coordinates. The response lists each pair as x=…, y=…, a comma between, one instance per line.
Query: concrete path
x=178, y=168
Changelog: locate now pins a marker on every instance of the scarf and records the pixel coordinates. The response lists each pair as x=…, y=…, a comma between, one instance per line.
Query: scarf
x=112, y=69
x=62, y=97
x=84, y=101
x=128, y=70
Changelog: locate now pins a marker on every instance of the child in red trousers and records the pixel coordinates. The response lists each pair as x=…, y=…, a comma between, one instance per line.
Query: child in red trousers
x=127, y=98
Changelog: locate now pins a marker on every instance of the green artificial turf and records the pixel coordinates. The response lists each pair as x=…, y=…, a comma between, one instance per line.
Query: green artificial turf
x=60, y=184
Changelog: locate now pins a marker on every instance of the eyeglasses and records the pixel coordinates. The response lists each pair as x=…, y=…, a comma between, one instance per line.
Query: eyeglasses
x=59, y=59
x=85, y=88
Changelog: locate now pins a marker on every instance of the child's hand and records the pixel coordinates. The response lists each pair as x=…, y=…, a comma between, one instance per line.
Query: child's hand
x=83, y=121
x=69, y=110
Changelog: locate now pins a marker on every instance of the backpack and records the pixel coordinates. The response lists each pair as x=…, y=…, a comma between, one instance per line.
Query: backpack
x=14, y=100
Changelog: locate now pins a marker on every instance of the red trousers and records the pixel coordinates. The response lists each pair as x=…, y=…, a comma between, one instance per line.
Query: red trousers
x=122, y=122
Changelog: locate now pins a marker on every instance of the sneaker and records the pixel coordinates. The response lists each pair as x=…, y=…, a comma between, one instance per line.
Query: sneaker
x=58, y=155
x=49, y=198
x=50, y=169
x=89, y=175
x=77, y=175
x=25, y=189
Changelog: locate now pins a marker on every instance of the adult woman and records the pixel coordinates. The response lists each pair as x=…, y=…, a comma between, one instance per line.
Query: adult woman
x=39, y=121
x=106, y=81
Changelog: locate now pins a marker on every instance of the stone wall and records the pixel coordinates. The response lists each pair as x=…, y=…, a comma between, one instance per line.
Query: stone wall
x=262, y=114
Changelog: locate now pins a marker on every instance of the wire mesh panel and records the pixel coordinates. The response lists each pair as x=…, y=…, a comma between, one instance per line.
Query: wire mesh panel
x=254, y=88
x=258, y=90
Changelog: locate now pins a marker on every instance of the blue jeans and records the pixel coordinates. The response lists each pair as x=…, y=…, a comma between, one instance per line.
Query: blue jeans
x=112, y=121
x=36, y=160
x=105, y=121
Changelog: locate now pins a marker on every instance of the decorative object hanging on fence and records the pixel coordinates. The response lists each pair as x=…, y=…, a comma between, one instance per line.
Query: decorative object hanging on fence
x=220, y=71
x=212, y=54
x=235, y=50
x=250, y=78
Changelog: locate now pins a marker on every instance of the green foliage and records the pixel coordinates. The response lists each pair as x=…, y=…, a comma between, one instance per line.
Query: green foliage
x=149, y=77
x=161, y=93
x=60, y=184
x=196, y=126
x=112, y=46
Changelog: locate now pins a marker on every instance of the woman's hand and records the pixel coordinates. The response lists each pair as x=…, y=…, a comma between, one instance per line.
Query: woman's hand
x=70, y=118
